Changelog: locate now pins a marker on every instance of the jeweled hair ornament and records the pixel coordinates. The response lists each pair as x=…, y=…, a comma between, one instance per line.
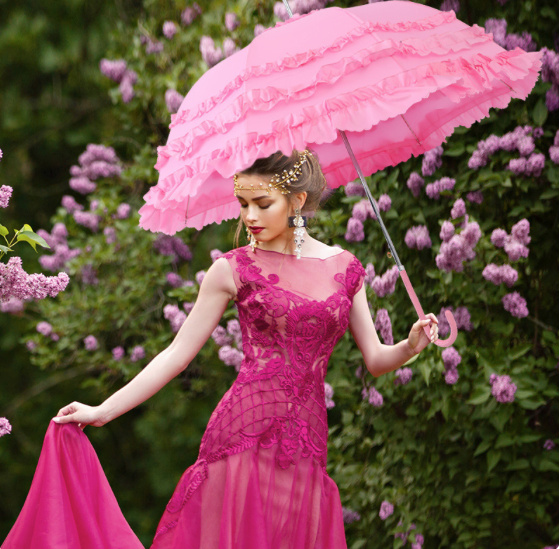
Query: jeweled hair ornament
x=281, y=181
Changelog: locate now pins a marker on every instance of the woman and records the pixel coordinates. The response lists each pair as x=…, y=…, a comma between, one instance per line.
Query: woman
x=260, y=479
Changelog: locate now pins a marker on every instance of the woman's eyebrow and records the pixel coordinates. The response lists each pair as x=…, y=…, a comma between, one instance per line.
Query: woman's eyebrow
x=254, y=199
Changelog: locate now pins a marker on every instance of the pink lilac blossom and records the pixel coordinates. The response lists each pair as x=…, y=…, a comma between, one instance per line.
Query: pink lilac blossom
x=101, y=168
x=199, y=277
x=524, y=41
x=126, y=85
x=259, y=29
x=363, y=210
x=503, y=389
x=475, y=197
x=188, y=306
x=169, y=29
x=229, y=47
x=174, y=280
x=231, y=356
x=15, y=282
x=462, y=319
x=551, y=100
x=5, y=427
x=211, y=54
x=402, y=376
x=82, y=185
x=370, y=274
x=451, y=358
x=44, y=328
x=354, y=230
x=504, y=274
x=234, y=329
x=403, y=535
x=95, y=152
x=498, y=237
x=55, y=337
x=383, y=326
x=70, y=205
x=451, y=376
x=549, y=69
x=459, y=248
x=520, y=231
x=415, y=183
x=386, y=510
x=175, y=316
x=221, y=337
x=172, y=246
x=329, y=393
x=385, y=284
x=87, y=219
x=113, y=68
x=447, y=231
x=5, y=195
x=450, y=5
x=173, y=100
x=434, y=189
x=297, y=7
x=373, y=396
x=418, y=541
x=31, y=345
x=349, y=516
x=354, y=189
x=549, y=444
x=90, y=343
x=190, y=13
x=553, y=150
x=215, y=255
x=525, y=145
x=515, y=305
x=418, y=237
x=384, y=203
x=152, y=46
x=123, y=211
x=231, y=21
x=12, y=306
x=515, y=244
x=498, y=28
x=89, y=275
x=118, y=353
x=431, y=161
x=110, y=235
x=137, y=353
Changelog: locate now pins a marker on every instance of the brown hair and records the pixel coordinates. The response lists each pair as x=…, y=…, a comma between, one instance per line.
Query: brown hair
x=312, y=181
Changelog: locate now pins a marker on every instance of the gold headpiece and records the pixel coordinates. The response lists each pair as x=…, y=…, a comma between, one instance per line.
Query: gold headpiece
x=278, y=181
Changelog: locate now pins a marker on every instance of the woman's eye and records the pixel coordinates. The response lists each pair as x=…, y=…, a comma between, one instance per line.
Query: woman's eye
x=265, y=207
x=243, y=205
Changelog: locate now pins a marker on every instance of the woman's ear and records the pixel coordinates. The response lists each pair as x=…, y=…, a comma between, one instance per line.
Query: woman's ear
x=298, y=200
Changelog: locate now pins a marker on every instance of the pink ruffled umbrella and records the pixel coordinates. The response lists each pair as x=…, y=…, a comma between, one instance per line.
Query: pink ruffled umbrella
x=389, y=80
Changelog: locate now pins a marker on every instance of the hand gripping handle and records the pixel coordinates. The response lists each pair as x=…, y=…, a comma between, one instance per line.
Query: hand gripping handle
x=452, y=324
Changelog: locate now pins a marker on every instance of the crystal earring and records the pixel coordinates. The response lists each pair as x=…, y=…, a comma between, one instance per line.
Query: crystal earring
x=299, y=222
x=252, y=240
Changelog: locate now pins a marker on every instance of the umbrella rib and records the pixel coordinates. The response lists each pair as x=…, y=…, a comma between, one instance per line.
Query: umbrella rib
x=411, y=130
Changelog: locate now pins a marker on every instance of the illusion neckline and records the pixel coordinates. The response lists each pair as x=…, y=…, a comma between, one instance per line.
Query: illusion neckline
x=302, y=257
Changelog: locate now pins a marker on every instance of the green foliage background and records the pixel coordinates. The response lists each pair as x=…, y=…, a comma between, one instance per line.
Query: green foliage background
x=467, y=471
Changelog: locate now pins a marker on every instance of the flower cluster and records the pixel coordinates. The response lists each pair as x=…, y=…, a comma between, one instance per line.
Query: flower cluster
x=57, y=240
x=169, y=29
x=504, y=274
x=553, y=149
x=451, y=359
x=173, y=100
x=549, y=444
x=402, y=376
x=329, y=393
x=415, y=183
x=354, y=189
x=450, y=5
x=16, y=283
x=175, y=316
x=231, y=21
x=126, y=78
x=297, y=7
x=97, y=161
x=462, y=319
x=459, y=209
x=549, y=73
x=431, y=160
x=373, y=396
x=172, y=246
x=498, y=28
x=433, y=190
x=349, y=516
x=5, y=195
x=90, y=343
x=515, y=305
x=475, y=196
x=5, y=427
x=386, y=510
x=385, y=284
x=457, y=248
x=503, y=389
x=370, y=274
x=225, y=337
x=211, y=54
x=418, y=237
x=354, y=230
x=190, y=13
x=151, y=45
x=383, y=326
x=137, y=353
x=514, y=244
x=418, y=538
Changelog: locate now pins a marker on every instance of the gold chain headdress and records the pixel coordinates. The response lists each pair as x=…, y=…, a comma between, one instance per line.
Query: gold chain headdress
x=278, y=181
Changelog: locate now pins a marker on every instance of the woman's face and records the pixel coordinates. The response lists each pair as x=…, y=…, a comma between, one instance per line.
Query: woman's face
x=264, y=213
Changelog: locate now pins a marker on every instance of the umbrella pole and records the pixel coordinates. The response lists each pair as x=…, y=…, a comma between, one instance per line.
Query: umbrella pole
x=404, y=276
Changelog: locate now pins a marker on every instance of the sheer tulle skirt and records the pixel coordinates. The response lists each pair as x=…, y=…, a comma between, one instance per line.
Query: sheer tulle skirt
x=247, y=501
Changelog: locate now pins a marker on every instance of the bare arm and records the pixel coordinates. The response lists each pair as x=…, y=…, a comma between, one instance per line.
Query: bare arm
x=379, y=358
x=216, y=290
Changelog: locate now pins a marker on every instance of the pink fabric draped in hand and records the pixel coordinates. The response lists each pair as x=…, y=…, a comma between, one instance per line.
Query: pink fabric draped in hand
x=70, y=504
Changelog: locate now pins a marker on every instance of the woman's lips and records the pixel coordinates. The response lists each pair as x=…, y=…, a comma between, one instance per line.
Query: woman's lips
x=256, y=230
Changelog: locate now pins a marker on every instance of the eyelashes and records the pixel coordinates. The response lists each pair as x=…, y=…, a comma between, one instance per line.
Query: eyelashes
x=261, y=207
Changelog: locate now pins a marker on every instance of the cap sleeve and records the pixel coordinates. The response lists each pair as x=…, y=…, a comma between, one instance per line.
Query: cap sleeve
x=355, y=274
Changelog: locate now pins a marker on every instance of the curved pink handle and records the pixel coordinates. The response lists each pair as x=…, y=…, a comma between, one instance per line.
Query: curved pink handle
x=452, y=324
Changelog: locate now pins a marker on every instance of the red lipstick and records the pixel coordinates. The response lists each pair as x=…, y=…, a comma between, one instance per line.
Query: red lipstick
x=256, y=230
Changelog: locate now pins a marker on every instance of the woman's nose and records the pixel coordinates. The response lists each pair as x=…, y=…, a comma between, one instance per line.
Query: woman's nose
x=251, y=213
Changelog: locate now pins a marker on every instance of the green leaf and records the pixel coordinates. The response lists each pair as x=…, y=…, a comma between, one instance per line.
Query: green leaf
x=516, y=484
x=482, y=447
x=549, y=193
x=31, y=238
x=520, y=351
x=492, y=458
x=3, y=231
x=518, y=464
x=540, y=113
x=505, y=439
x=480, y=396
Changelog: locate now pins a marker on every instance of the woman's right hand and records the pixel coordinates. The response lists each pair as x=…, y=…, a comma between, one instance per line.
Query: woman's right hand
x=82, y=414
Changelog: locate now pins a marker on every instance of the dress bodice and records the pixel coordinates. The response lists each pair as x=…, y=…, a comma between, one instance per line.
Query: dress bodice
x=292, y=313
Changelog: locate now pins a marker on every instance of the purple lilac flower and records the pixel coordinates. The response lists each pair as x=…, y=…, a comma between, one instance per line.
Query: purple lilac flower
x=503, y=389
x=211, y=54
x=549, y=444
x=403, y=535
x=459, y=209
x=173, y=100
x=498, y=28
x=386, y=510
x=463, y=319
x=229, y=47
x=549, y=70
x=402, y=376
x=384, y=203
x=383, y=326
x=231, y=21
x=354, y=230
x=500, y=274
x=12, y=306
x=498, y=237
x=524, y=41
x=82, y=185
x=477, y=160
x=113, y=69
x=5, y=195
x=431, y=161
x=169, y=29
x=459, y=248
x=451, y=358
x=230, y=356
x=535, y=164
x=190, y=13
x=525, y=145
x=385, y=284
x=96, y=152
x=515, y=305
x=174, y=280
x=475, y=196
x=215, y=255
x=172, y=246
x=70, y=205
x=451, y=376
x=363, y=210
x=370, y=274
x=137, y=353
x=44, y=328
x=373, y=396
x=87, y=219
x=434, y=189
x=418, y=541
x=447, y=231
x=153, y=46
x=118, y=353
x=450, y=5
x=199, y=277
x=418, y=237
x=101, y=168
x=234, y=329
x=188, y=306
x=415, y=183
x=551, y=99
x=553, y=150
x=259, y=29
x=5, y=427
x=123, y=211
x=110, y=235
x=354, y=189
x=89, y=275
x=515, y=249
x=90, y=343
x=126, y=86
x=349, y=516
x=221, y=337
x=520, y=231
x=31, y=346
x=329, y=393
x=175, y=316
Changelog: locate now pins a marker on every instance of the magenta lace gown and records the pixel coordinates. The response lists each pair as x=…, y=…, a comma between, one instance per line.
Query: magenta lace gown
x=260, y=480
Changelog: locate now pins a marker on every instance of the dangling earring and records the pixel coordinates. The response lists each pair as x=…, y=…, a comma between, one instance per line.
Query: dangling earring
x=253, y=242
x=299, y=222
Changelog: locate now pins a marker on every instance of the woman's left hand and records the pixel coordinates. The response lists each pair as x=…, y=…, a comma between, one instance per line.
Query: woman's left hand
x=417, y=339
